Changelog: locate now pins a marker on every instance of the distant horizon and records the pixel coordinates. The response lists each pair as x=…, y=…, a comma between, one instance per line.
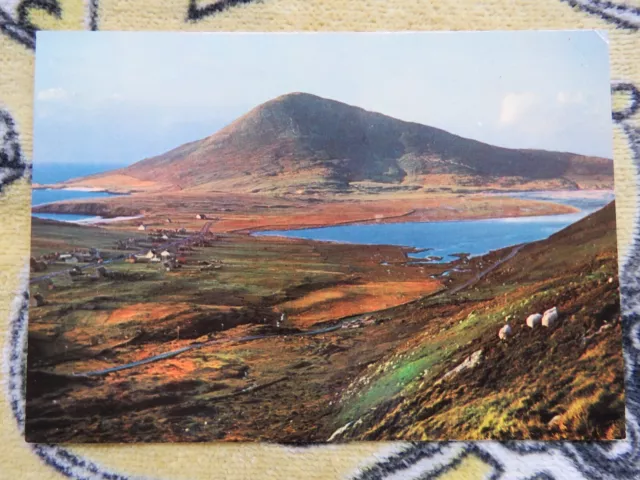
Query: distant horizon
x=120, y=97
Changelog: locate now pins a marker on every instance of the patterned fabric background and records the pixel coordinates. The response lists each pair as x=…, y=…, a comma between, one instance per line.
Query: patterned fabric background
x=19, y=19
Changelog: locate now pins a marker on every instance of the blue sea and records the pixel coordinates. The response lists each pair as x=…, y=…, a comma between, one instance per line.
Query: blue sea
x=475, y=237
x=54, y=173
x=39, y=197
x=59, y=172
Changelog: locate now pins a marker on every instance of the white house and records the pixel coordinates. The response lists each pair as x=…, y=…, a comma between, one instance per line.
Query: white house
x=142, y=227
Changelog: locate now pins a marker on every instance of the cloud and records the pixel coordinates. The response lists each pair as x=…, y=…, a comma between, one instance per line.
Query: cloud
x=515, y=106
x=52, y=94
x=570, y=97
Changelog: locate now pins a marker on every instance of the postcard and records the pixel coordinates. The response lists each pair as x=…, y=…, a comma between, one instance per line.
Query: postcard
x=323, y=237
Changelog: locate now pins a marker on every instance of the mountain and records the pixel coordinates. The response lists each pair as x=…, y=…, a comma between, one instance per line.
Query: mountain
x=303, y=142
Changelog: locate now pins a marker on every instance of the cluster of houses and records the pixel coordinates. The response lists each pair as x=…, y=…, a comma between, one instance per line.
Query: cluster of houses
x=169, y=257
x=91, y=255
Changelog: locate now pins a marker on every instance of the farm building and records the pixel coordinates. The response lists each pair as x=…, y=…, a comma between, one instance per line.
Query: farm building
x=201, y=216
x=85, y=257
x=67, y=258
x=142, y=227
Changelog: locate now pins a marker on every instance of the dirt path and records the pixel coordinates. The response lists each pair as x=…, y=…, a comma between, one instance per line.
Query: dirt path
x=195, y=346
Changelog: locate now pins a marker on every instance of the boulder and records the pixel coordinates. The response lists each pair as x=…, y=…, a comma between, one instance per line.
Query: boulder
x=555, y=421
x=339, y=432
x=470, y=362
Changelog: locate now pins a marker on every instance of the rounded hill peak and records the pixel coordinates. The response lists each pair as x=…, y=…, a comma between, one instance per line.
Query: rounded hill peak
x=303, y=140
x=298, y=100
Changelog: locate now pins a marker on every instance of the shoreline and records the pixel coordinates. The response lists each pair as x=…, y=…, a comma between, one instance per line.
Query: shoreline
x=90, y=221
x=54, y=186
x=389, y=220
x=243, y=218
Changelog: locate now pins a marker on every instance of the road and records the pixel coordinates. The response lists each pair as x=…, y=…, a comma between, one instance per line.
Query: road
x=203, y=231
x=332, y=328
x=195, y=346
x=486, y=271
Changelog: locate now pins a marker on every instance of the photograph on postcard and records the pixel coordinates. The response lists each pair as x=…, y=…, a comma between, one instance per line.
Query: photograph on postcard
x=302, y=238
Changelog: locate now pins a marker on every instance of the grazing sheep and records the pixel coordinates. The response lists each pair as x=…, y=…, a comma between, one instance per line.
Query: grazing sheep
x=550, y=317
x=534, y=320
x=505, y=332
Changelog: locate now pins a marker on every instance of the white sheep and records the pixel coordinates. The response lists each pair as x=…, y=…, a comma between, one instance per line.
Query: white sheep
x=534, y=320
x=505, y=332
x=550, y=317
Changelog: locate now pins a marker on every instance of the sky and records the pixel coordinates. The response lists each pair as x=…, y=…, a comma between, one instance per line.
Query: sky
x=117, y=97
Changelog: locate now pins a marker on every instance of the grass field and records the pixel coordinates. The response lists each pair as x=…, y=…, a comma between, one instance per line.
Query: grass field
x=389, y=372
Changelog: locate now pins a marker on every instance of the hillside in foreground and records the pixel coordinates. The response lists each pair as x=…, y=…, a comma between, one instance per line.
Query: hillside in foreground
x=390, y=369
x=304, y=144
x=547, y=383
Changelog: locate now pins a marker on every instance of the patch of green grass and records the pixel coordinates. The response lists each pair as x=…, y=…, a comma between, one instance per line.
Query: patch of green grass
x=396, y=376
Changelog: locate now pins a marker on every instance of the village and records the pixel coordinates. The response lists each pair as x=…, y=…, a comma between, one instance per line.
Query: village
x=168, y=248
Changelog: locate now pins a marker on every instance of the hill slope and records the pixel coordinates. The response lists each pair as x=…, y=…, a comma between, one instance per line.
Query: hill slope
x=301, y=141
x=544, y=383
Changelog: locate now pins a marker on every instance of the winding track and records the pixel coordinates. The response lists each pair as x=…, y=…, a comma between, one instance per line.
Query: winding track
x=486, y=271
x=195, y=346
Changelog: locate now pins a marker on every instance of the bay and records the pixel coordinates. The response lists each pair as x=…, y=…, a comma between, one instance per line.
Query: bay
x=474, y=237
